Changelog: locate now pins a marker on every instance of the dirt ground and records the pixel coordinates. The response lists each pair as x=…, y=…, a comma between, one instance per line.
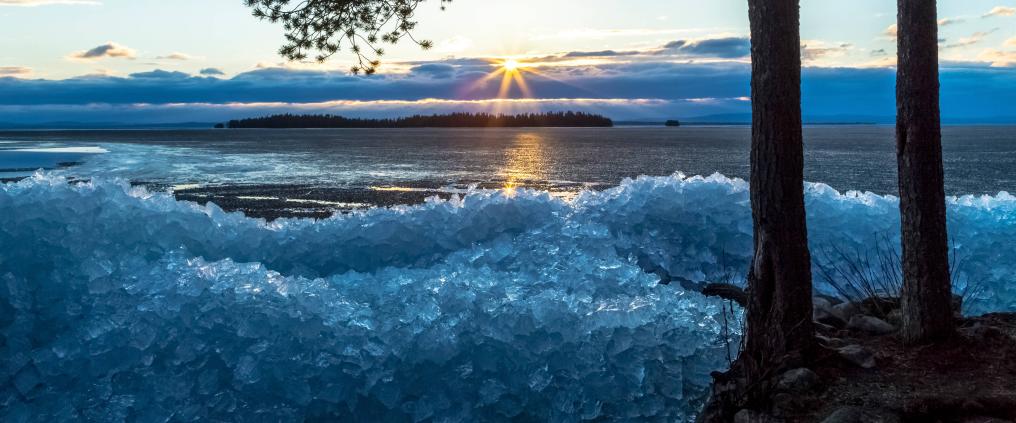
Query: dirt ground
x=970, y=378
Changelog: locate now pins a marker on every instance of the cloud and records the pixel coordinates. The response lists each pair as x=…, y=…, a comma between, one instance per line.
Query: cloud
x=1000, y=11
x=998, y=58
x=879, y=52
x=600, y=34
x=891, y=32
x=812, y=50
x=949, y=21
x=110, y=49
x=175, y=56
x=160, y=74
x=456, y=82
x=34, y=3
x=727, y=47
x=971, y=40
x=14, y=71
x=732, y=48
x=602, y=53
x=211, y=71
x=1010, y=42
x=454, y=44
x=434, y=70
x=711, y=49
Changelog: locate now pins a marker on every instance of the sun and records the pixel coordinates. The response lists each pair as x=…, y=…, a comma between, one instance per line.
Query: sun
x=511, y=65
x=512, y=73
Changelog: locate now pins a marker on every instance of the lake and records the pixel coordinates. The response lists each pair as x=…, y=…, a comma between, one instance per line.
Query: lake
x=312, y=172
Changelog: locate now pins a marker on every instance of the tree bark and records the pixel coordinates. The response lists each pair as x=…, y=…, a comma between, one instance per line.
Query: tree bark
x=779, y=312
x=927, y=294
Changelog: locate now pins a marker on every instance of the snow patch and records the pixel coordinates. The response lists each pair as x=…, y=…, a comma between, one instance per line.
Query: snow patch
x=77, y=150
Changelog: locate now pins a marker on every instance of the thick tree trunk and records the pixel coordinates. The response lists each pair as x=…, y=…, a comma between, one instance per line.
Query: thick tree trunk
x=779, y=314
x=927, y=295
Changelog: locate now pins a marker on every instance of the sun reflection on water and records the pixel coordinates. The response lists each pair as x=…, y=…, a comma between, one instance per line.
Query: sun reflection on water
x=525, y=162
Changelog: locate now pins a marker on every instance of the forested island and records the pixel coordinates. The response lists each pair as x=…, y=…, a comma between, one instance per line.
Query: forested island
x=453, y=120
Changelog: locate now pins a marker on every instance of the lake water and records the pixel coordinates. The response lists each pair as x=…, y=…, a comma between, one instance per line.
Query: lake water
x=322, y=170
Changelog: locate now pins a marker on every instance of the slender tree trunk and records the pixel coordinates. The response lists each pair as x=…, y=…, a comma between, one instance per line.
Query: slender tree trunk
x=927, y=295
x=779, y=313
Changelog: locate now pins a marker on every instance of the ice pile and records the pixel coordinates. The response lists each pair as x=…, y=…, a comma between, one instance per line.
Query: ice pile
x=125, y=305
x=700, y=229
x=118, y=304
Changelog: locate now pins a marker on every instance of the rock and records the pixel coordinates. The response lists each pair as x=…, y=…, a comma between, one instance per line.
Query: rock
x=895, y=317
x=980, y=332
x=861, y=415
x=878, y=306
x=858, y=355
x=822, y=312
x=783, y=402
x=845, y=310
x=798, y=380
x=869, y=324
x=750, y=416
x=824, y=328
x=831, y=299
x=726, y=395
x=820, y=304
x=984, y=419
x=831, y=342
x=846, y=415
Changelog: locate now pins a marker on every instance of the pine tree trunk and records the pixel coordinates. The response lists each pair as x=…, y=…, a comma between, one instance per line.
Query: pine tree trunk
x=779, y=313
x=927, y=295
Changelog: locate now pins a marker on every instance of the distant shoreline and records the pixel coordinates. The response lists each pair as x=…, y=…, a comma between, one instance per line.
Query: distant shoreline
x=452, y=120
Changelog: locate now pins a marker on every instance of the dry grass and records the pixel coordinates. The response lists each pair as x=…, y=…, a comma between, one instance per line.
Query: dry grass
x=860, y=273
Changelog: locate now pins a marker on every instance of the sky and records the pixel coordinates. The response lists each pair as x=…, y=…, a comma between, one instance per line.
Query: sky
x=157, y=61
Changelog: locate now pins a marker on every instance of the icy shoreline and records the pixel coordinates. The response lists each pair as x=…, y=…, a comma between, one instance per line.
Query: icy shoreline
x=499, y=304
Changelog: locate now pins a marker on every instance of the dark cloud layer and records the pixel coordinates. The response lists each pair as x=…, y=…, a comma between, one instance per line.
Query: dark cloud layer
x=725, y=48
x=211, y=71
x=434, y=70
x=678, y=89
x=644, y=80
x=161, y=75
x=602, y=53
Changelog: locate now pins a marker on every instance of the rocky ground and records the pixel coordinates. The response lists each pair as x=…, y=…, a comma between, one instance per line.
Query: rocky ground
x=279, y=201
x=865, y=374
x=274, y=201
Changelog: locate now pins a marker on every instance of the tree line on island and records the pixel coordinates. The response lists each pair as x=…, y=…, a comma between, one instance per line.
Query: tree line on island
x=452, y=120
